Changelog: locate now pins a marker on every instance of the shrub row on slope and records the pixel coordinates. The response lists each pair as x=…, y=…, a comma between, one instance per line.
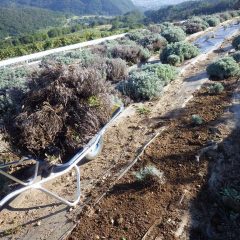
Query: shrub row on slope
x=148, y=82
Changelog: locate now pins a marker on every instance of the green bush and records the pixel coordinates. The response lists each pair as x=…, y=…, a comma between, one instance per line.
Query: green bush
x=225, y=16
x=147, y=39
x=216, y=88
x=224, y=68
x=236, y=56
x=173, y=34
x=116, y=69
x=197, y=120
x=163, y=71
x=142, y=86
x=127, y=50
x=174, y=60
x=195, y=24
x=13, y=84
x=213, y=21
x=154, y=28
x=183, y=50
x=147, y=172
x=236, y=42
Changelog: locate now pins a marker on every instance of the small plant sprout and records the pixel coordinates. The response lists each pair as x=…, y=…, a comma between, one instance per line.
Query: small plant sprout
x=143, y=110
x=149, y=171
x=216, y=88
x=197, y=120
x=93, y=101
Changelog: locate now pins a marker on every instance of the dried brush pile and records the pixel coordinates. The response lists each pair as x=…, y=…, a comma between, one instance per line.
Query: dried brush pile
x=65, y=107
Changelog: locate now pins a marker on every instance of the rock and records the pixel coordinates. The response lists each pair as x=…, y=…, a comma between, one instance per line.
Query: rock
x=39, y=223
x=119, y=221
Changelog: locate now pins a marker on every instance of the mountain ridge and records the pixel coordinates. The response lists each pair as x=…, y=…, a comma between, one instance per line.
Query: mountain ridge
x=77, y=7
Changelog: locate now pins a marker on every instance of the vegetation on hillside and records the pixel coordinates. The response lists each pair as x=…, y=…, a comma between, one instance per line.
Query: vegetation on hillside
x=79, y=7
x=17, y=20
x=191, y=8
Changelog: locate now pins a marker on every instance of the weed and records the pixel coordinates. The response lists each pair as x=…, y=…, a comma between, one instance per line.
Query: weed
x=197, y=120
x=149, y=171
x=143, y=110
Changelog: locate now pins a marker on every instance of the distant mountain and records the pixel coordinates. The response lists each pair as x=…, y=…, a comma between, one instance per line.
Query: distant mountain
x=78, y=7
x=15, y=21
x=155, y=4
x=191, y=8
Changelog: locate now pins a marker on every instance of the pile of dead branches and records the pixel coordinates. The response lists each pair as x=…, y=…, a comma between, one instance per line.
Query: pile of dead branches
x=65, y=107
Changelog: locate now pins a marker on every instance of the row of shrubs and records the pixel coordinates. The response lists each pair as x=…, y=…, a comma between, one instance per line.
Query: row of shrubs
x=147, y=83
x=228, y=66
x=197, y=24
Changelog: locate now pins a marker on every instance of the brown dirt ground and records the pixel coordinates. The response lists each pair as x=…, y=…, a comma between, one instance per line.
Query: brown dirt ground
x=131, y=208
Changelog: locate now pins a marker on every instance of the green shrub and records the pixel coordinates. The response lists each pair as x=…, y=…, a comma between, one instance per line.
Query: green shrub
x=225, y=16
x=147, y=172
x=116, y=69
x=154, y=28
x=163, y=71
x=174, y=60
x=195, y=24
x=236, y=56
x=216, y=88
x=128, y=50
x=183, y=50
x=13, y=84
x=236, y=42
x=137, y=35
x=197, y=120
x=147, y=39
x=223, y=68
x=173, y=34
x=142, y=86
x=213, y=21
x=234, y=14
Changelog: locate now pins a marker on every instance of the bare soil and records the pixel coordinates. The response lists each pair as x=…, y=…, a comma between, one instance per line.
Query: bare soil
x=149, y=210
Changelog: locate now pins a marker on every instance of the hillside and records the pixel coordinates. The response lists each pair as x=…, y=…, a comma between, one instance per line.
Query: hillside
x=154, y=4
x=14, y=21
x=79, y=7
x=191, y=8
